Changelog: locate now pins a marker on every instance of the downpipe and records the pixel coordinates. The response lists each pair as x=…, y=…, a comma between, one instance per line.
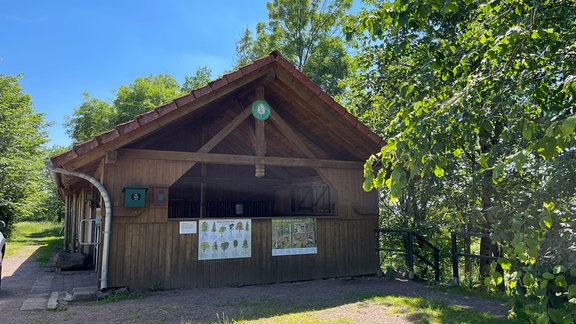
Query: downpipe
x=108, y=212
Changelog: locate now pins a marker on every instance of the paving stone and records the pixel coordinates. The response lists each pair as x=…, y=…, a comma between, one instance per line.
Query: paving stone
x=34, y=303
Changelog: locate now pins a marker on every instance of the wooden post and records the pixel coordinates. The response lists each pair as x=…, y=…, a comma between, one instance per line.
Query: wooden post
x=410, y=256
x=454, y=248
x=260, y=145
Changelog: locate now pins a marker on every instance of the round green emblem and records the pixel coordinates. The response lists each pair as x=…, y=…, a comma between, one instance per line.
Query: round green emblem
x=260, y=109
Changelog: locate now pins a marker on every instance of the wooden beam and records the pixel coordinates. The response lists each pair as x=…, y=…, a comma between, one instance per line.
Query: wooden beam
x=185, y=109
x=214, y=158
x=225, y=131
x=290, y=134
x=111, y=157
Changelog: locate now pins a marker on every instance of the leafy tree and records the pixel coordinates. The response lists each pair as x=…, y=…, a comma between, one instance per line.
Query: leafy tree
x=143, y=95
x=202, y=77
x=92, y=117
x=477, y=98
x=51, y=206
x=306, y=32
x=22, y=136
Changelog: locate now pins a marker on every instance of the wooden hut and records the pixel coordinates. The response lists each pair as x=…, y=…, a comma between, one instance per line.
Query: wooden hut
x=254, y=178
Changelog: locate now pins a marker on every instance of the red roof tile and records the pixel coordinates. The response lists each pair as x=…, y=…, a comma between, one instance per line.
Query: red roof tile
x=108, y=136
x=148, y=117
x=341, y=110
x=202, y=91
x=219, y=84
x=86, y=147
x=326, y=98
x=60, y=159
x=179, y=102
x=127, y=127
x=163, y=110
x=352, y=119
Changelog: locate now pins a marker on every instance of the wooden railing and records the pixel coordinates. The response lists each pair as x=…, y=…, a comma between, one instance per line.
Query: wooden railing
x=456, y=254
x=412, y=254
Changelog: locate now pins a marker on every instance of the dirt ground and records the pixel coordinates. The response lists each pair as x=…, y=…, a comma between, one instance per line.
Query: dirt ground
x=333, y=298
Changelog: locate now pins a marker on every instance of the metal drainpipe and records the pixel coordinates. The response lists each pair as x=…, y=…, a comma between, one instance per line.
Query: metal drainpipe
x=108, y=213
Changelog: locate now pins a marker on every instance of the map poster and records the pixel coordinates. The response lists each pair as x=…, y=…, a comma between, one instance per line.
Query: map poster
x=293, y=236
x=224, y=239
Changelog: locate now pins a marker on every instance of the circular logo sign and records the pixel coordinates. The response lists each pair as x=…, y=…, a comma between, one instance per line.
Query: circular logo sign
x=260, y=109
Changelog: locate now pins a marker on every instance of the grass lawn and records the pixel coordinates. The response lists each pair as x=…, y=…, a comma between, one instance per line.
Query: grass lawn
x=44, y=237
x=369, y=309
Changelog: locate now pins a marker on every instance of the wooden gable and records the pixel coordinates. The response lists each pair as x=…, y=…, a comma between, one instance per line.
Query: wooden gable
x=212, y=159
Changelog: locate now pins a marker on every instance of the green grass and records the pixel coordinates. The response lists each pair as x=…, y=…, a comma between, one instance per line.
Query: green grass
x=43, y=235
x=479, y=291
x=413, y=309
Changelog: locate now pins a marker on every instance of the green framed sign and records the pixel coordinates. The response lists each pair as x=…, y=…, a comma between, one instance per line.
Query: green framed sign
x=261, y=109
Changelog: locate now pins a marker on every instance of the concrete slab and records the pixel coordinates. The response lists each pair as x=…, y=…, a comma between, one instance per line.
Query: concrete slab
x=34, y=303
x=84, y=293
x=53, y=301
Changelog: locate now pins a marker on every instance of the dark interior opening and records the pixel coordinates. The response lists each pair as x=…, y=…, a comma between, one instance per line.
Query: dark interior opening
x=224, y=191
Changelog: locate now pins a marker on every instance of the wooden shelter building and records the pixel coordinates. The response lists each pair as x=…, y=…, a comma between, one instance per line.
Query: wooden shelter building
x=254, y=178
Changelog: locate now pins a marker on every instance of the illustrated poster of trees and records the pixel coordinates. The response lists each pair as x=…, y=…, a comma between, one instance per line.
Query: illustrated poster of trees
x=294, y=236
x=224, y=239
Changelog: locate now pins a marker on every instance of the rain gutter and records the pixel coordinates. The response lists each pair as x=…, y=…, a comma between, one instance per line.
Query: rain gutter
x=108, y=212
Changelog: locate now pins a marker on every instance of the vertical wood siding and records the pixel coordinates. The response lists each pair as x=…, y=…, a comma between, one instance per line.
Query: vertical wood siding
x=147, y=249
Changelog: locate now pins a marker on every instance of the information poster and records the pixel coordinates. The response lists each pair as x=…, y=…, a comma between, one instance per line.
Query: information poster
x=293, y=236
x=188, y=227
x=224, y=239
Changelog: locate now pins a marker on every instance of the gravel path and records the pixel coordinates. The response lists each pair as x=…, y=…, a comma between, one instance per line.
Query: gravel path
x=332, y=298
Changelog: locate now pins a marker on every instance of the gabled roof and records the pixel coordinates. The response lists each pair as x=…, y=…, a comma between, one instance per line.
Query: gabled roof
x=328, y=128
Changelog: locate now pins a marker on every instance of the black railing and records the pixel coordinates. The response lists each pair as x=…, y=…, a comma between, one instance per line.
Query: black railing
x=456, y=254
x=412, y=254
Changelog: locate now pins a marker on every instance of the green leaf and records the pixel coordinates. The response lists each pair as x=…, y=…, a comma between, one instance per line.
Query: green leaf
x=368, y=183
x=498, y=171
x=528, y=280
x=396, y=191
x=438, y=171
x=380, y=179
x=547, y=220
x=568, y=125
x=505, y=264
x=482, y=161
x=543, y=319
x=556, y=315
x=548, y=275
x=572, y=290
x=527, y=133
x=396, y=174
x=559, y=269
x=560, y=281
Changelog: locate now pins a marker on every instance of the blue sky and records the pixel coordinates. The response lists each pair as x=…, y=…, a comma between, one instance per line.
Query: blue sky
x=65, y=47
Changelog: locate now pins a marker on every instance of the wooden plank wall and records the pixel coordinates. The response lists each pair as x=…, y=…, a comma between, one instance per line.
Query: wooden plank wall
x=147, y=249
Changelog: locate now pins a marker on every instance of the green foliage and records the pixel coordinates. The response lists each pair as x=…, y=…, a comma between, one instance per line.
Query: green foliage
x=202, y=77
x=22, y=136
x=94, y=116
x=306, y=33
x=143, y=95
x=476, y=100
